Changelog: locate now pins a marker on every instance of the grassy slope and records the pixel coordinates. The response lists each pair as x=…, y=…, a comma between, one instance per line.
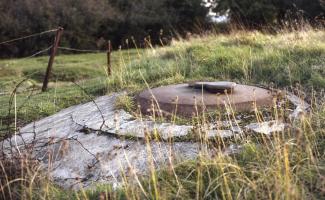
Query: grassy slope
x=291, y=168
x=281, y=60
x=87, y=70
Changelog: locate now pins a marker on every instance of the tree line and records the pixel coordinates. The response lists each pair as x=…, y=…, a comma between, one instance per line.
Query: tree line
x=88, y=24
x=258, y=13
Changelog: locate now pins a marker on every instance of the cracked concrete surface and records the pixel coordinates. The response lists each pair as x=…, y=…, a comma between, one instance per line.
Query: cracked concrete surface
x=76, y=158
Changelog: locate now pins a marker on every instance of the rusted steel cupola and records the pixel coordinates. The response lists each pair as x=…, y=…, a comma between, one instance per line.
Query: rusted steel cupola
x=192, y=98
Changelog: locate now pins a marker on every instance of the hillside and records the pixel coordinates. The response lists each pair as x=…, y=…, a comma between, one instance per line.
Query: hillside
x=287, y=166
x=282, y=60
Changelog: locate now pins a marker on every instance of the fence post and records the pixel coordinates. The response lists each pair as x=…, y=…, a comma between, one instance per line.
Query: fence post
x=109, y=51
x=51, y=60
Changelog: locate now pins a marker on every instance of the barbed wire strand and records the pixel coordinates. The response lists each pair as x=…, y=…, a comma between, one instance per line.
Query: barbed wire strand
x=37, y=53
x=81, y=50
x=48, y=48
x=28, y=36
x=3, y=92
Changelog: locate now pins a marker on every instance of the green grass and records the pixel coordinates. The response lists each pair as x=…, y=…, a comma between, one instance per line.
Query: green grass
x=287, y=166
x=281, y=60
x=87, y=70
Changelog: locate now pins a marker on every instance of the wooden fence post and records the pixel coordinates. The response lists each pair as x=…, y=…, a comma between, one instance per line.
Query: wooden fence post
x=51, y=60
x=109, y=51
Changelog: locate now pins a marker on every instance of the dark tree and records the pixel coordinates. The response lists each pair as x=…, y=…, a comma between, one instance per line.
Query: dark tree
x=255, y=13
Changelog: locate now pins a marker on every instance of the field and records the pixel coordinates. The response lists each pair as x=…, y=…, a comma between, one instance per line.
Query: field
x=290, y=165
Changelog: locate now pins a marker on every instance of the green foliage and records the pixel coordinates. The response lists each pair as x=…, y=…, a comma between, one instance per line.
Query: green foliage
x=286, y=166
x=125, y=102
x=89, y=24
x=63, y=73
x=253, y=58
x=255, y=13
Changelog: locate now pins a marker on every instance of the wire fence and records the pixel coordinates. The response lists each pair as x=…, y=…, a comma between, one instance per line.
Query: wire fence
x=44, y=50
x=81, y=50
x=47, y=50
x=28, y=36
x=38, y=53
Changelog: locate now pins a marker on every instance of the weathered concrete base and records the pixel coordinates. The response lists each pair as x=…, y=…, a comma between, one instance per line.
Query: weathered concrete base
x=86, y=144
x=266, y=127
x=77, y=159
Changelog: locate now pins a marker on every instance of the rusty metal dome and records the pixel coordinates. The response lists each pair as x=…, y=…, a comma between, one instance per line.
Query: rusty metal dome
x=189, y=99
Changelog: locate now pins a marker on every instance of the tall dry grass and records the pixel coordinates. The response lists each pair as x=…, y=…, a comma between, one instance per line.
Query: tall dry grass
x=285, y=165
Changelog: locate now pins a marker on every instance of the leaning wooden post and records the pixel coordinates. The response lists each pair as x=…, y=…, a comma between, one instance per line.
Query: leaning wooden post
x=109, y=51
x=51, y=60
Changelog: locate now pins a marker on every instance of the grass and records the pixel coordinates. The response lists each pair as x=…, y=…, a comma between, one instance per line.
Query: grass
x=125, y=102
x=87, y=70
x=289, y=165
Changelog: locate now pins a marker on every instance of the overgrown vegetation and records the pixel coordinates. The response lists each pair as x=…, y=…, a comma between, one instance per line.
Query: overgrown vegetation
x=89, y=24
x=288, y=165
x=258, y=13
